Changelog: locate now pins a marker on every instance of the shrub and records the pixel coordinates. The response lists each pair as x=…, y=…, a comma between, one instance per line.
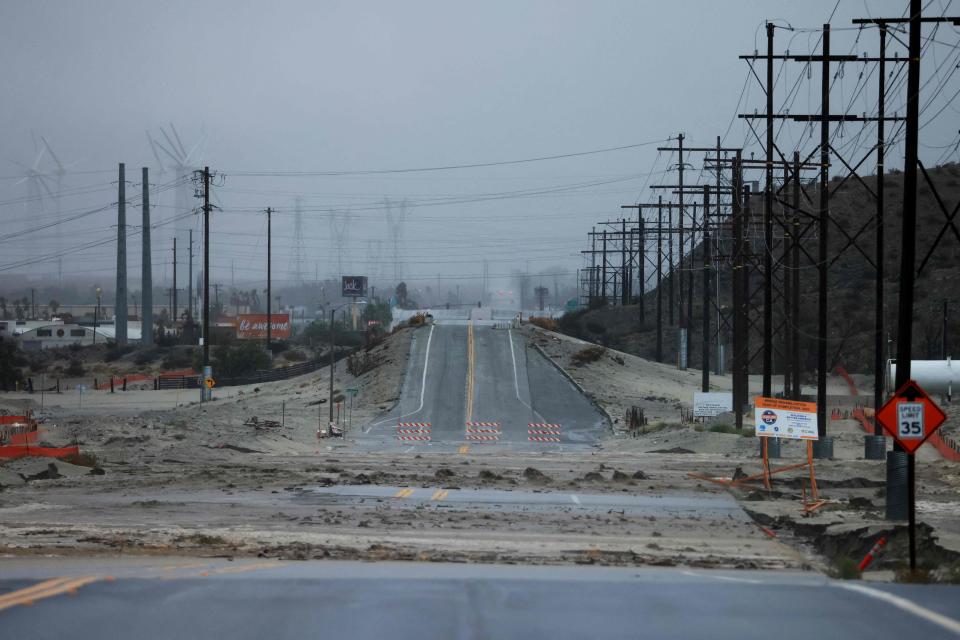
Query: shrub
x=83, y=459
x=146, y=356
x=588, y=354
x=544, y=323
x=115, y=352
x=75, y=369
x=294, y=355
x=177, y=360
x=242, y=359
x=594, y=327
x=847, y=569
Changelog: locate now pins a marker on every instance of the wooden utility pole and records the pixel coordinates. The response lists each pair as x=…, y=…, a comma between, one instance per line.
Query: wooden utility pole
x=190, y=275
x=705, y=356
x=206, y=271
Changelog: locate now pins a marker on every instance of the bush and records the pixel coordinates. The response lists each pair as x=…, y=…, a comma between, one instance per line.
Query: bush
x=294, y=355
x=588, y=354
x=115, y=352
x=847, y=569
x=177, y=360
x=544, y=323
x=10, y=359
x=75, y=370
x=279, y=346
x=146, y=356
x=240, y=360
x=593, y=327
x=569, y=323
x=83, y=459
x=417, y=320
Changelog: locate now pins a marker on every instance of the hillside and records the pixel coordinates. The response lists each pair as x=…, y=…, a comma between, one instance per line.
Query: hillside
x=851, y=282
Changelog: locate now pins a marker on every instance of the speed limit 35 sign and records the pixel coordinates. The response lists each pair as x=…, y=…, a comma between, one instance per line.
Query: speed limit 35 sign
x=910, y=416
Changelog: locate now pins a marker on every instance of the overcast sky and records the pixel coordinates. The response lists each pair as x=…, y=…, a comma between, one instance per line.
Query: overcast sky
x=280, y=87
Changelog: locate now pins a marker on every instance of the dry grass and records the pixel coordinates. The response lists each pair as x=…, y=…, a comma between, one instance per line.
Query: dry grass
x=544, y=323
x=588, y=354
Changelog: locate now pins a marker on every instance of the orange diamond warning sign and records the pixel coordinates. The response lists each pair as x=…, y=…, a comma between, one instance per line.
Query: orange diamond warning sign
x=910, y=416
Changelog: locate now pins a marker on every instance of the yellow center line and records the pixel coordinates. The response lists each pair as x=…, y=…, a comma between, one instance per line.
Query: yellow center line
x=40, y=586
x=403, y=493
x=464, y=448
x=470, y=363
x=440, y=494
x=43, y=590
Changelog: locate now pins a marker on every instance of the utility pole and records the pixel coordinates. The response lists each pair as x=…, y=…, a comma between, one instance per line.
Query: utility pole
x=768, y=226
x=624, y=273
x=878, y=359
x=269, y=284
x=603, y=279
x=190, y=276
x=146, y=266
x=660, y=280
x=821, y=447
x=206, y=276
x=173, y=310
x=739, y=315
x=670, y=260
x=120, y=308
x=705, y=357
x=908, y=245
x=944, y=352
x=643, y=267
x=795, y=329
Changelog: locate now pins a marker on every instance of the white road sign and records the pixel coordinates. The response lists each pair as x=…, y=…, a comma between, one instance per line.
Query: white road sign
x=708, y=405
x=910, y=420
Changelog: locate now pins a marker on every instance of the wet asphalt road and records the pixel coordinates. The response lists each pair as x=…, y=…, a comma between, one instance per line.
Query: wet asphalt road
x=463, y=372
x=260, y=598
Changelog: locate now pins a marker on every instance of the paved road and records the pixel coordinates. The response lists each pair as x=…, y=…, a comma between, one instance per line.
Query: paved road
x=368, y=496
x=463, y=372
x=152, y=598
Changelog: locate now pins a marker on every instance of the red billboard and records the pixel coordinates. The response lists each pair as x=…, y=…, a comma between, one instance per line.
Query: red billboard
x=253, y=326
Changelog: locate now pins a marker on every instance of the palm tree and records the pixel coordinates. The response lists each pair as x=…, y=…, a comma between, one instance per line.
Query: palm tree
x=54, y=305
x=3, y=308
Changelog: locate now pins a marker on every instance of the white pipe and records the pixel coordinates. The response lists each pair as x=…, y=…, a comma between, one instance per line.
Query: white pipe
x=936, y=377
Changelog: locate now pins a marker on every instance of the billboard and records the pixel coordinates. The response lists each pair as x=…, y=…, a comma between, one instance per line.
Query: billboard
x=785, y=418
x=353, y=286
x=253, y=326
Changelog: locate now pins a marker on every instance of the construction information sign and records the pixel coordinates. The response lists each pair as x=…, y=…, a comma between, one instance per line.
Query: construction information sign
x=777, y=418
x=709, y=405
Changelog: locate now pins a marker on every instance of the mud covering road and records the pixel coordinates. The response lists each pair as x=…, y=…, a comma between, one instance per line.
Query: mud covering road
x=172, y=477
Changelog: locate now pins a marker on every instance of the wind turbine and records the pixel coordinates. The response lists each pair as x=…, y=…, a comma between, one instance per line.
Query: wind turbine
x=38, y=183
x=182, y=162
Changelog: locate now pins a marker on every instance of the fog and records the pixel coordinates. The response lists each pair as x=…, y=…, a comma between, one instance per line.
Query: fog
x=338, y=106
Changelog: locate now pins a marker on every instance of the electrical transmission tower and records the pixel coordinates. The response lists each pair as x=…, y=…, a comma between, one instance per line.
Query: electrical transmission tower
x=397, y=215
x=298, y=254
x=339, y=238
x=374, y=257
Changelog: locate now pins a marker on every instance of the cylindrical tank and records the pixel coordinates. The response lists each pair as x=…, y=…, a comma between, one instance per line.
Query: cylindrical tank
x=936, y=377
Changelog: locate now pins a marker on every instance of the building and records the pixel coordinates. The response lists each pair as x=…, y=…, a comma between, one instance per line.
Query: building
x=54, y=334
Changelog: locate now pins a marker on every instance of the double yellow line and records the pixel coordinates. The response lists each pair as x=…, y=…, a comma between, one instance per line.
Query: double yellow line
x=438, y=495
x=471, y=359
x=46, y=589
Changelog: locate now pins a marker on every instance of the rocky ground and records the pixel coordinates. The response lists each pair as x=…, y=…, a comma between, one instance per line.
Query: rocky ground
x=170, y=475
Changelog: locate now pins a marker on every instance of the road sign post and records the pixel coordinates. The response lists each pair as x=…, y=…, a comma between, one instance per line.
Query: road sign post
x=911, y=417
